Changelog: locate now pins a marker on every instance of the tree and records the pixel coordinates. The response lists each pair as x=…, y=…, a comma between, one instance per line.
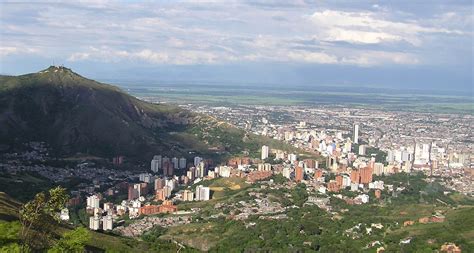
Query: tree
x=73, y=241
x=38, y=215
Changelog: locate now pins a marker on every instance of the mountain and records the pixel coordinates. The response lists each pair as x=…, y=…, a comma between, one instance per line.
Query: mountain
x=73, y=114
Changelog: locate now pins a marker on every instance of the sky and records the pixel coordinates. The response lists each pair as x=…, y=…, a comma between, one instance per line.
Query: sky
x=398, y=44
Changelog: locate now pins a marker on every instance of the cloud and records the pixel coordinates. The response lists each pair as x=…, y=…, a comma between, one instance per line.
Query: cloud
x=193, y=32
x=369, y=28
x=5, y=50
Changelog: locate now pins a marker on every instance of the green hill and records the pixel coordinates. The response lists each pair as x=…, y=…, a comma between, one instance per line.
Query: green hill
x=74, y=115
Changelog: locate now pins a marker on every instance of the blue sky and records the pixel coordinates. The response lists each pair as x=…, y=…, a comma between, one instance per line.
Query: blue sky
x=412, y=44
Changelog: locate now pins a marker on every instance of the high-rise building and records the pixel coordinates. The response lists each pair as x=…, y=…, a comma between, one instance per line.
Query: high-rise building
x=366, y=175
x=94, y=222
x=299, y=173
x=378, y=169
x=197, y=161
x=168, y=169
x=362, y=149
x=93, y=202
x=175, y=162
x=107, y=223
x=355, y=134
x=156, y=163
x=188, y=195
x=355, y=176
x=202, y=193
x=159, y=183
x=265, y=151
x=134, y=191
x=182, y=163
x=339, y=181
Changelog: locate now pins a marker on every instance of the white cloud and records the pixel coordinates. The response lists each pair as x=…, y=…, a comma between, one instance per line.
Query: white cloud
x=369, y=28
x=6, y=50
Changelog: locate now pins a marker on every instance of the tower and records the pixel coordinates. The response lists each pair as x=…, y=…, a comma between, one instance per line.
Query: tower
x=355, y=134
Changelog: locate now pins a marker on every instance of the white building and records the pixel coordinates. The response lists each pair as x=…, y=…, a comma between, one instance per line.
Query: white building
x=107, y=223
x=202, y=193
x=146, y=177
x=362, y=150
x=94, y=222
x=292, y=157
x=93, y=202
x=224, y=171
x=156, y=163
x=356, y=133
x=265, y=151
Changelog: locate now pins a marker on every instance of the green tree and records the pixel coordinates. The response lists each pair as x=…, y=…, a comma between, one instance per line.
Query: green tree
x=38, y=215
x=73, y=241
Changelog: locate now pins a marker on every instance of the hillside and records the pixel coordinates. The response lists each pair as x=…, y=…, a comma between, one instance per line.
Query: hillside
x=74, y=115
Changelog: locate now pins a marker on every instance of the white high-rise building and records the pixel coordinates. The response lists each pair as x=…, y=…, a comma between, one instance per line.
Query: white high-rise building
x=107, y=223
x=94, y=222
x=362, y=149
x=265, y=151
x=93, y=202
x=356, y=133
x=156, y=163
x=202, y=193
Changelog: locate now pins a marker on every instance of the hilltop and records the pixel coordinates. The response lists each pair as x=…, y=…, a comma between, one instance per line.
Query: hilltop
x=73, y=114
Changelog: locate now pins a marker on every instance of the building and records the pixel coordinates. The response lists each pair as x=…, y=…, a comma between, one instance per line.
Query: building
x=166, y=207
x=202, y=193
x=94, y=222
x=362, y=150
x=168, y=169
x=159, y=183
x=339, y=181
x=255, y=176
x=265, y=151
x=378, y=169
x=264, y=167
x=188, y=195
x=93, y=202
x=224, y=171
x=365, y=175
x=134, y=191
x=333, y=186
x=355, y=134
x=182, y=163
x=107, y=223
x=197, y=161
x=355, y=176
x=145, y=177
x=156, y=163
x=299, y=173
x=318, y=173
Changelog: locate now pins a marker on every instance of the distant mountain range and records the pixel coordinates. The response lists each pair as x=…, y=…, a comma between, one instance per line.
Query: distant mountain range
x=74, y=115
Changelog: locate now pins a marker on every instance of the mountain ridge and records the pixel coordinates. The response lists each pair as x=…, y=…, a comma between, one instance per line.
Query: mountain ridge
x=74, y=115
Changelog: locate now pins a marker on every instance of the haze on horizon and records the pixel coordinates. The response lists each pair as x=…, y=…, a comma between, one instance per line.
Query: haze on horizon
x=404, y=44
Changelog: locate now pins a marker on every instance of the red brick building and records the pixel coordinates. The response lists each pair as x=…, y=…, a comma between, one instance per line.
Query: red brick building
x=299, y=174
x=366, y=175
